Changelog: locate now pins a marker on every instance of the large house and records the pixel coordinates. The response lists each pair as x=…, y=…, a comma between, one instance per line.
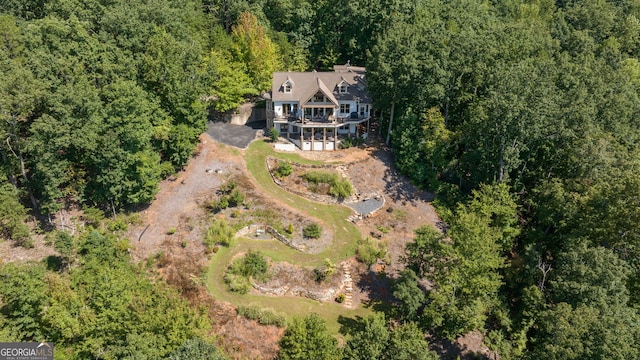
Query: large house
x=316, y=110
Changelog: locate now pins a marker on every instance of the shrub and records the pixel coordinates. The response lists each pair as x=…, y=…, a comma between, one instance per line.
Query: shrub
x=329, y=267
x=228, y=187
x=318, y=177
x=252, y=265
x=341, y=189
x=383, y=229
x=284, y=169
x=290, y=229
x=237, y=283
x=241, y=271
x=236, y=198
x=350, y=142
x=263, y=316
x=312, y=231
x=340, y=298
x=171, y=231
x=274, y=134
x=220, y=204
x=319, y=275
x=369, y=251
x=218, y=233
x=93, y=216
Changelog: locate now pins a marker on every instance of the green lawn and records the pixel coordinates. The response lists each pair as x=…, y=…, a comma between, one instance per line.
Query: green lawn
x=290, y=306
x=345, y=235
x=334, y=217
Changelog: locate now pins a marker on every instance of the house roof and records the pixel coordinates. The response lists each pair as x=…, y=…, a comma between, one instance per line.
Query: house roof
x=307, y=84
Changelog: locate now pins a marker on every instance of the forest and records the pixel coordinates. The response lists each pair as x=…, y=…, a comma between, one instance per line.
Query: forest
x=522, y=116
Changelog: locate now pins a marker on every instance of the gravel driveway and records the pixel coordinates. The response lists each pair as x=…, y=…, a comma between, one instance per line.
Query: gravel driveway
x=235, y=135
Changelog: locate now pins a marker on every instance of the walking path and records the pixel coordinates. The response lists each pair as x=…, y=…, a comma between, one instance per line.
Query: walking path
x=348, y=281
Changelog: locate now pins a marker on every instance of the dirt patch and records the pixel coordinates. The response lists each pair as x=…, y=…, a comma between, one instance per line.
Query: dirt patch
x=10, y=252
x=181, y=199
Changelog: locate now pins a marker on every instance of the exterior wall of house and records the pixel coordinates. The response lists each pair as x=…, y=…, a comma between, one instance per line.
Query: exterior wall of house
x=278, y=108
x=352, y=108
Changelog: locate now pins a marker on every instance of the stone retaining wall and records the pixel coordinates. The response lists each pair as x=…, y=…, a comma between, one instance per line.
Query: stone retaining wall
x=252, y=229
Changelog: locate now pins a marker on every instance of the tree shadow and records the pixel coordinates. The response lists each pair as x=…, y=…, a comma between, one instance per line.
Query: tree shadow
x=398, y=186
x=53, y=263
x=349, y=326
x=377, y=286
x=453, y=350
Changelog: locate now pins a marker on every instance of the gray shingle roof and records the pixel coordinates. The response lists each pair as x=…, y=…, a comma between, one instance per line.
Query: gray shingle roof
x=307, y=84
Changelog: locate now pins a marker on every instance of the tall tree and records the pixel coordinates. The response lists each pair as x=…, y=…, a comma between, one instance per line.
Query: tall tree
x=307, y=338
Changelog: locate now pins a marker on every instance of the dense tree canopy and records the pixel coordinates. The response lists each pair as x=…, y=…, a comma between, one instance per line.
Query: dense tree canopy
x=522, y=115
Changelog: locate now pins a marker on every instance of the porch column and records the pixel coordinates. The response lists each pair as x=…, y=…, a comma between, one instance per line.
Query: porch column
x=324, y=138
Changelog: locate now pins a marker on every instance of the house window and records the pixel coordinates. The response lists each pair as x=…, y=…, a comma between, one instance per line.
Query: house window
x=342, y=89
x=345, y=108
x=287, y=87
x=286, y=109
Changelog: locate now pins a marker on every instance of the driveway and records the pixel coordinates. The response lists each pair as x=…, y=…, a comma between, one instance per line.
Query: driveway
x=235, y=135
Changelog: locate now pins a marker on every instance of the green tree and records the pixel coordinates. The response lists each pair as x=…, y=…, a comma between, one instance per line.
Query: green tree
x=24, y=300
x=407, y=342
x=65, y=244
x=307, y=338
x=370, y=341
x=584, y=332
x=256, y=50
x=409, y=293
x=12, y=215
x=196, y=349
x=231, y=85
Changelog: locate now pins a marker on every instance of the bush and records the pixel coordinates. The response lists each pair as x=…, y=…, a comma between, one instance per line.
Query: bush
x=318, y=177
x=236, y=198
x=253, y=264
x=350, y=142
x=93, y=216
x=241, y=271
x=237, y=283
x=319, y=275
x=340, y=298
x=263, y=316
x=341, y=189
x=369, y=251
x=284, y=169
x=312, y=231
x=274, y=134
x=218, y=233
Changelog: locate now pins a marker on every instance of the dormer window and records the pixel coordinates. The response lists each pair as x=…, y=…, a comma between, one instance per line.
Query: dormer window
x=287, y=87
x=343, y=87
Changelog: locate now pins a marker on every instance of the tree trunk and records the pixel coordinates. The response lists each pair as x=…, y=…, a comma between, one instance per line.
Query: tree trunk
x=24, y=173
x=393, y=107
x=11, y=177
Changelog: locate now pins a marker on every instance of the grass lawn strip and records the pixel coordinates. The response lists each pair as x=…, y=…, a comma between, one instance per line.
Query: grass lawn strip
x=346, y=235
x=344, y=244
x=291, y=306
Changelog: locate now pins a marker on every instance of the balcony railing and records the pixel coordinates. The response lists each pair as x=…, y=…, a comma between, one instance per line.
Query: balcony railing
x=320, y=119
